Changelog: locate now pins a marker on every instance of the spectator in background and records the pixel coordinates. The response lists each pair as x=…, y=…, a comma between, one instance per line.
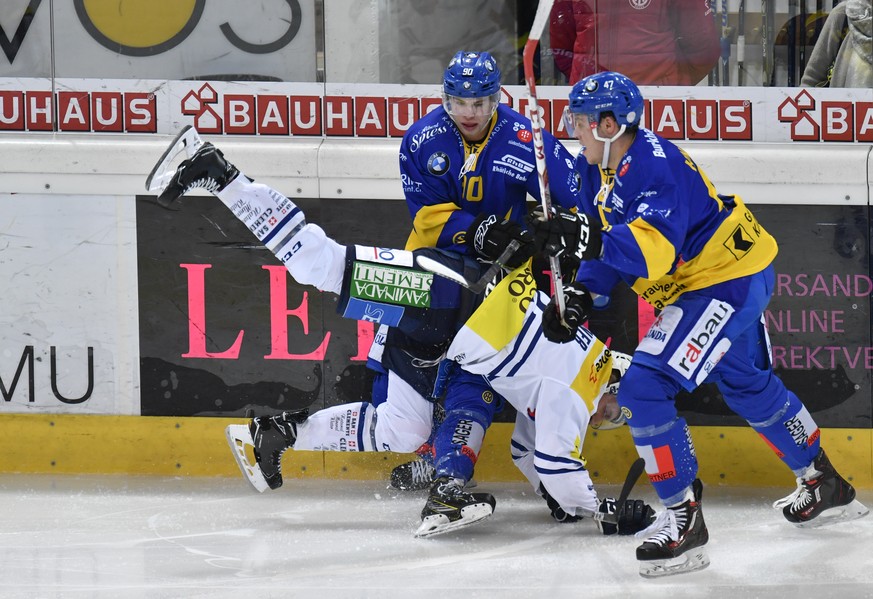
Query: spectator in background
x=843, y=54
x=670, y=42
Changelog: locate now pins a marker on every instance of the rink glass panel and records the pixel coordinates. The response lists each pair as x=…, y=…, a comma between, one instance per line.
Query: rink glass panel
x=381, y=41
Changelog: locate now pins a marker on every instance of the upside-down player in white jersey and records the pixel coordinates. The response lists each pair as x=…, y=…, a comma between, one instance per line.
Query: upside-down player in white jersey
x=555, y=388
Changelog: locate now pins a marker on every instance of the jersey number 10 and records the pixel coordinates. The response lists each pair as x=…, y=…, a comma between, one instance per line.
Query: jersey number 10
x=473, y=189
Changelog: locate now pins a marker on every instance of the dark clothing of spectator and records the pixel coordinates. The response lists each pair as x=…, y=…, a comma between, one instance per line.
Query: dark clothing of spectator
x=654, y=42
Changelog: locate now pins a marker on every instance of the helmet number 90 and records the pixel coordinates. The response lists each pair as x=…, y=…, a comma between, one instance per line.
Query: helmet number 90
x=467, y=72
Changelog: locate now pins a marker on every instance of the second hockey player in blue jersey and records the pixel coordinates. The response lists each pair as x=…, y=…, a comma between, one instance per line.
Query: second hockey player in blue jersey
x=655, y=221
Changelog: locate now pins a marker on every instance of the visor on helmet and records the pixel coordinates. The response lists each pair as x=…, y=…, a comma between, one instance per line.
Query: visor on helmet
x=574, y=120
x=458, y=107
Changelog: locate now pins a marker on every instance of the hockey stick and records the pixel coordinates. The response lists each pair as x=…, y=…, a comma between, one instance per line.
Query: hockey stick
x=630, y=480
x=544, y=8
x=477, y=286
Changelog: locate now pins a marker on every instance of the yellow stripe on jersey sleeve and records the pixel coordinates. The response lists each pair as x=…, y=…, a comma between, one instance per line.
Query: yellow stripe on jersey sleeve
x=500, y=317
x=594, y=374
x=658, y=252
x=428, y=224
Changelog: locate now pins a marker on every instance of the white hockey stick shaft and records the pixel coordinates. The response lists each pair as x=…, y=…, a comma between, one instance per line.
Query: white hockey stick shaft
x=544, y=9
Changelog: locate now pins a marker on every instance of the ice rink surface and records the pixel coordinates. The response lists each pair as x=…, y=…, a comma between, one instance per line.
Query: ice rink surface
x=149, y=537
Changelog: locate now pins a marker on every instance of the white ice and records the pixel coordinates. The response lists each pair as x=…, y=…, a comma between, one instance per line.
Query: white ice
x=149, y=537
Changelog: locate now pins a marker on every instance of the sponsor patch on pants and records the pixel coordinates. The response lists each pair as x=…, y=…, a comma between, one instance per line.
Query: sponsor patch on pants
x=692, y=350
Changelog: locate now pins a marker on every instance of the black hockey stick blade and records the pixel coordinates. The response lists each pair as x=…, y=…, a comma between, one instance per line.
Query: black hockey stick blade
x=633, y=474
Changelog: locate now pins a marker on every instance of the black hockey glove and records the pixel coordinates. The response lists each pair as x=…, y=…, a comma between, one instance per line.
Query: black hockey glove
x=637, y=516
x=567, y=235
x=558, y=512
x=577, y=309
x=488, y=237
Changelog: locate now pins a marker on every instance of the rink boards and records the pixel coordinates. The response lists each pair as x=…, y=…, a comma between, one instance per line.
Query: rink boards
x=132, y=335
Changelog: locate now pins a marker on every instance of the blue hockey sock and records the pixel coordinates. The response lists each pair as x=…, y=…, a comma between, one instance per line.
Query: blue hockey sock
x=671, y=462
x=792, y=434
x=458, y=442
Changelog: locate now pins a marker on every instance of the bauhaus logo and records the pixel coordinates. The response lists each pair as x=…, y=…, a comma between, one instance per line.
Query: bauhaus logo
x=279, y=114
x=110, y=111
x=700, y=119
x=827, y=120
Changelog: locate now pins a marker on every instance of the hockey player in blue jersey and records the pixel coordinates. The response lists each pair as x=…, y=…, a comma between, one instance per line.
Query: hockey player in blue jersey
x=655, y=221
x=467, y=168
x=557, y=390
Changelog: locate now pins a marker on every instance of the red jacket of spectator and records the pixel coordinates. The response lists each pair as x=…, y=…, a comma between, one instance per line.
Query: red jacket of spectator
x=654, y=42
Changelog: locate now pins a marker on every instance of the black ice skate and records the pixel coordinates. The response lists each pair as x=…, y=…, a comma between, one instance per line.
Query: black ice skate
x=822, y=497
x=269, y=437
x=448, y=507
x=204, y=167
x=677, y=540
x=416, y=475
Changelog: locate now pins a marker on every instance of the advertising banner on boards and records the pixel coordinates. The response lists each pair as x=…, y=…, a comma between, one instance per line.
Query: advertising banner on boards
x=223, y=327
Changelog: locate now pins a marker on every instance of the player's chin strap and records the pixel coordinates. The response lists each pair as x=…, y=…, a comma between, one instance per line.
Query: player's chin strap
x=607, y=143
x=604, y=162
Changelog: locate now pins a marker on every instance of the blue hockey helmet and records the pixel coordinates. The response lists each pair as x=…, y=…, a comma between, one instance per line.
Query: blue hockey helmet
x=471, y=75
x=471, y=91
x=608, y=92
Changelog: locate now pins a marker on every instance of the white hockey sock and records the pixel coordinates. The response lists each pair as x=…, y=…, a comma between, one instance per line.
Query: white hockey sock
x=310, y=255
x=272, y=217
x=361, y=427
x=346, y=427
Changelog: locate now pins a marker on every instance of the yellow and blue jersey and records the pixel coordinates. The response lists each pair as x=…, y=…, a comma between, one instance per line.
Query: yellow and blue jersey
x=665, y=228
x=448, y=181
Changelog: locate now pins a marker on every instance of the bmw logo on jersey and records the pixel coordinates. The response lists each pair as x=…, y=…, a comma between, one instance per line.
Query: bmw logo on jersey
x=438, y=163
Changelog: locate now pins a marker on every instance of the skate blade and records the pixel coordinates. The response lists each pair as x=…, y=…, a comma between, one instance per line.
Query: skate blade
x=690, y=561
x=187, y=141
x=238, y=437
x=835, y=515
x=438, y=524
